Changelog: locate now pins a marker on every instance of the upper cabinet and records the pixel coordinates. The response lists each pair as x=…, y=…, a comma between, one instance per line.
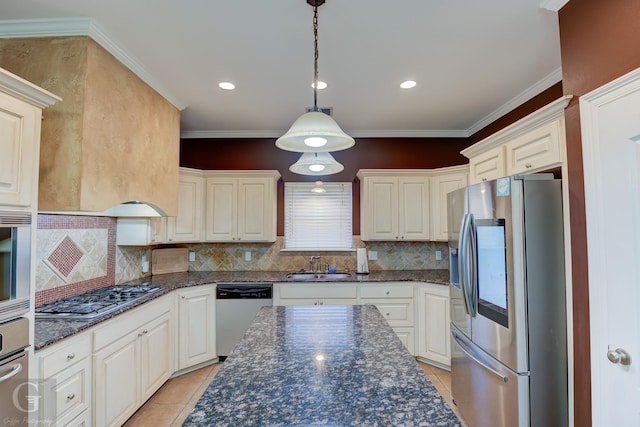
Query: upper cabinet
x=443, y=181
x=241, y=206
x=112, y=139
x=394, y=204
x=21, y=105
x=187, y=225
x=532, y=144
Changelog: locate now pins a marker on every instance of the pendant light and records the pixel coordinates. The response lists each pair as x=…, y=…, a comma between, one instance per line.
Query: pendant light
x=315, y=131
x=316, y=164
x=318, y=188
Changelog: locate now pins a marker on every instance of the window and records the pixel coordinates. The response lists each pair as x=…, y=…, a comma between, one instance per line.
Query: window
x=317, y=221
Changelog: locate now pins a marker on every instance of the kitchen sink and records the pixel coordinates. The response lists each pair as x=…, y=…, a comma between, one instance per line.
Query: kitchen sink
x=318, y=276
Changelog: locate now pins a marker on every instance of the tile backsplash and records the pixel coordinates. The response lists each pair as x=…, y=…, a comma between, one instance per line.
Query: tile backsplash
x=78, y=253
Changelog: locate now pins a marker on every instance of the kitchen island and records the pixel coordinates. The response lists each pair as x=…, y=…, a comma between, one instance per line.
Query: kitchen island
x=321, y=366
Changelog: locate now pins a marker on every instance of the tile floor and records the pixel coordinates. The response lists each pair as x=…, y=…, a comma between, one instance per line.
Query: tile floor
x=170, y=405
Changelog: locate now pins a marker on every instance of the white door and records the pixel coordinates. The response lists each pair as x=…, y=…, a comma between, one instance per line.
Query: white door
x=610, y=118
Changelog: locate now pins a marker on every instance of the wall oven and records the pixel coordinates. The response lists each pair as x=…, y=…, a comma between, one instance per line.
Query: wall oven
x=15, y=263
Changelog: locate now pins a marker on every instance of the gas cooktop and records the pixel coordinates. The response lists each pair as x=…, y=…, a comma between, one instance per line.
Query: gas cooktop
x=94, y=303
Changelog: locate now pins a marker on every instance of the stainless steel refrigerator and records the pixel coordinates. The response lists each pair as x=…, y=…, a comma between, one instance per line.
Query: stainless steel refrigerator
x=508, y=308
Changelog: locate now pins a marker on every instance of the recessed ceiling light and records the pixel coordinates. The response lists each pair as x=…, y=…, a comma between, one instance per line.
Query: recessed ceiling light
x=321, y=85
x=408, y=84
x=226, y=85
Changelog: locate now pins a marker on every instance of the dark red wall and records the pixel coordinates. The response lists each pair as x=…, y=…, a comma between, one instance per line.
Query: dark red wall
x=368, y=153
x=600, y=41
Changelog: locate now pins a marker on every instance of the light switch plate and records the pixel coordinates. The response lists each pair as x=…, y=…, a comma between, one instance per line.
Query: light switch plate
x=247, y=255
x=192, y=256
x=438, y=255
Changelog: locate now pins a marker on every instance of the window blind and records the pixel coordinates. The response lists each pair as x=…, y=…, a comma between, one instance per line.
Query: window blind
x=317, y=221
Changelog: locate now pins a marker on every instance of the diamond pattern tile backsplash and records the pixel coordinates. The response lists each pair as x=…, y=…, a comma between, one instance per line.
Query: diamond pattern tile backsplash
x=78, y=253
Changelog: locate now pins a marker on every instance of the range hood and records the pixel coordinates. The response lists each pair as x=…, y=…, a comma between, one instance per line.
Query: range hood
x=135, y=208
x=112, y=146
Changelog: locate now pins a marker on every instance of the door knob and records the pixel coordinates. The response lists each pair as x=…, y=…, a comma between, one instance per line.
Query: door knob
x=619, y=356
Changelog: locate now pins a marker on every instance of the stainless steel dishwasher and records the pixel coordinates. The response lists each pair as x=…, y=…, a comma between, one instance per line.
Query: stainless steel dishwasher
x=236, y=306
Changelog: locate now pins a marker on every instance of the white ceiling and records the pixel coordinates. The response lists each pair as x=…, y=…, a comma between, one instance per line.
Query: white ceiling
x=473, y=60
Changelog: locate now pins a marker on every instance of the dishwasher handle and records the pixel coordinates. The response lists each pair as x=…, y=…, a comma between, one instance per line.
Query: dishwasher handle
x=244, y=292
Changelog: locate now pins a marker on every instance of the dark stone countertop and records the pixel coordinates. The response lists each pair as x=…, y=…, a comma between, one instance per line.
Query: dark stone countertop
x=50, y=331
x=320, y=366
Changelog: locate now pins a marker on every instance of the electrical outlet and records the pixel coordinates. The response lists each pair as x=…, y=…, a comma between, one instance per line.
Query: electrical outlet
x=438, y=255
x=192, y=256
x=247, y=255
x=373, y=255
x=145, y=264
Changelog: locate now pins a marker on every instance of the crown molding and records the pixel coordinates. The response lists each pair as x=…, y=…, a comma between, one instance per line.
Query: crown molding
x=231, y=134
x=58, y=27
x=548, y=81
x=26, y=91
x=553, y=5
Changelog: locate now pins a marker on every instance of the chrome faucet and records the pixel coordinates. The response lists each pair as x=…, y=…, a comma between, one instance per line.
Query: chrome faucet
x=313, y=258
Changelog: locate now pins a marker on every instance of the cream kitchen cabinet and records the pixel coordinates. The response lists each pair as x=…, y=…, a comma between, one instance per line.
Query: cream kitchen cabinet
x=315, y=294
x=65, y=391
x=537, y=150
x=133, y=357
x=187, y=225
x=487, y=166
x=396, y=303
x=141, y=231
x=532, y=144
x=444, y=181
x=196, y=326
x=241, y=206
x=21, y=105
x=434, y=343
x=395, y=205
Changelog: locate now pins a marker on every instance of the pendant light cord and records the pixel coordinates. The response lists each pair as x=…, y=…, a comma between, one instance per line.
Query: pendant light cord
x=315, y=58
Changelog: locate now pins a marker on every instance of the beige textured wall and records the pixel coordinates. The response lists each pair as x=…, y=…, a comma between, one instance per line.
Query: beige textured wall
x=112, y=139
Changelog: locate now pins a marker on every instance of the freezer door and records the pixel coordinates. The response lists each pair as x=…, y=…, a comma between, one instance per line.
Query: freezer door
x=486, y=393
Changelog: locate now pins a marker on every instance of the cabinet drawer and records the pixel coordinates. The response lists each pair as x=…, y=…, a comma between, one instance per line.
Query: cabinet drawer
x=67, y=355
x=125, y=323
x=391, y=291
x=67, y=394
x=397, y=312
x=322, y=291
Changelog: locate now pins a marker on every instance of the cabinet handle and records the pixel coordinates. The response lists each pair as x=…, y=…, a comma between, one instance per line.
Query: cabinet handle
x=71, y=396
x=321, y=303
x=71, y=356
x=484, y=179
x=183, y=297
x=170, y=239
x=315, y=303
x=396, y=237
x=387, y=314
x=528, y=165
x=145, y=332
x=388, y=292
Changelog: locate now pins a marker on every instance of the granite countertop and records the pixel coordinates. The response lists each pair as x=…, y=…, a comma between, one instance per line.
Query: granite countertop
x=50, y=331
x=321, y=366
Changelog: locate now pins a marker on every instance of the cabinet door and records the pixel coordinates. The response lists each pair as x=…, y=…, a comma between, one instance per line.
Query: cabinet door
x=156, y=348
x=221, y=210
x=196, y=338
x=380, y=210
x=20, y=147
x=440, y=186
x=407, y=337
x=537, y=150
x=116, y=384
x=487, y=166
x=413, y=204
x=141, y=231
x=433, y=324
x=187, y=226
x=255, y=203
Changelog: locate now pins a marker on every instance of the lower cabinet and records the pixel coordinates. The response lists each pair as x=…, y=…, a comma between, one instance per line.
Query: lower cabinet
x=434, y=342
x=323, y=294
x=196, y=325
x=395, y=302
x=133, y=357
x=66, y=392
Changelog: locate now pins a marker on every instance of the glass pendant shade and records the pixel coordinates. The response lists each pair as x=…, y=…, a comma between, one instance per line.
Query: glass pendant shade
x=314, y=127
x=316, y=164
x=319, y=188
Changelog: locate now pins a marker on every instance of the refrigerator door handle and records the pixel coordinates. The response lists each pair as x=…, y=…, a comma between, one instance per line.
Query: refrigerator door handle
x=463, y=262
x=473, y=270
x=469, y=353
